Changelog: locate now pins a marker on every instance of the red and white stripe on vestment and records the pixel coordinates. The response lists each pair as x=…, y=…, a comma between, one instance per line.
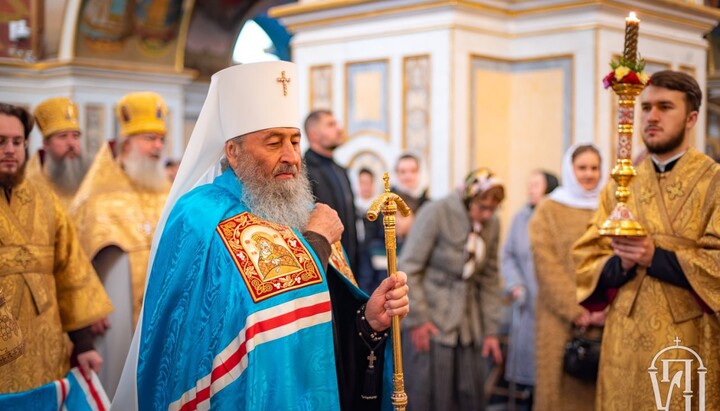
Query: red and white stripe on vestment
x=260, y=327
x=95, y=394
x=61, y=389
x=92, y=389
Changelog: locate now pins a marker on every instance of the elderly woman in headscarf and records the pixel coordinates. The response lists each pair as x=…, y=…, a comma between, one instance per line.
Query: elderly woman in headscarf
x=516, y=265
x=557, y=223
x=451, y=259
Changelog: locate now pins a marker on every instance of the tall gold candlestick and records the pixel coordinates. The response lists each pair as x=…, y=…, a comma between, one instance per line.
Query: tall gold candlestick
x=390, y=203
x=621, y=221
x=632, y=31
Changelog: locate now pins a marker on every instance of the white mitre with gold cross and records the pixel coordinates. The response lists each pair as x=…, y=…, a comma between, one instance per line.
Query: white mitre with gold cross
x=241, y=99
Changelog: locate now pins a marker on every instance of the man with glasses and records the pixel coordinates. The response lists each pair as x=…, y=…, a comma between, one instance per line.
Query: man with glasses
x=46, y=281
x=116, y=210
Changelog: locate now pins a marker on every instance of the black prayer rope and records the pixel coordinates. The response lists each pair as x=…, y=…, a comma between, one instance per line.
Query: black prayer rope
x=372, y=341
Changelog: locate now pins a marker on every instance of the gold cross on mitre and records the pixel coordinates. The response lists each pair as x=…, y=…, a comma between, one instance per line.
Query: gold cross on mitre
x=284, y=80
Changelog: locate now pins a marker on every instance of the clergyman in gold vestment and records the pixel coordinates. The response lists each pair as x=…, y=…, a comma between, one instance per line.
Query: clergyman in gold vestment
x=116, y=210
x=60, y=164
x=49, y=286
x=663, y=289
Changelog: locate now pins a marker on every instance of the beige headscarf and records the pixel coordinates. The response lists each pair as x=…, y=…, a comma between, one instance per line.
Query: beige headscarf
x=476, y=183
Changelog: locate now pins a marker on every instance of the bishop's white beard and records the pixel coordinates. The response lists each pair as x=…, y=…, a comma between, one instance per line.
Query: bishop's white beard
x=144, y=171
x=66, y=173
x=285, y=202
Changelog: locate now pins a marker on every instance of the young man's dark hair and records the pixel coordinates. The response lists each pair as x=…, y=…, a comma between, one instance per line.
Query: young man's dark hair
x=679, y=81
x=27, y=120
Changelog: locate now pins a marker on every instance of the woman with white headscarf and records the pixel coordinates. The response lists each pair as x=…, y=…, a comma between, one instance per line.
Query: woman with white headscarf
x=557, y=223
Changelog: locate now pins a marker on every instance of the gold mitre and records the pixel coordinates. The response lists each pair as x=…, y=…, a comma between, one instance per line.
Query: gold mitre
x=141, y=112
x=56, y=114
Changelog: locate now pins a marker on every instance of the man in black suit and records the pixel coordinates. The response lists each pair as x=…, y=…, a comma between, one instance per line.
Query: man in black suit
x=330, y=183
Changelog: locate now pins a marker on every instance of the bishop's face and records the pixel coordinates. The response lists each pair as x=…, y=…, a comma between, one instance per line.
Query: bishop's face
x=276, y=150
x=12, y=146
x=268, y=165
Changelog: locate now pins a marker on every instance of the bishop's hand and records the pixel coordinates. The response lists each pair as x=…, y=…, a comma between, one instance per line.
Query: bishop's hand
x=325, y=221
x=388, y=300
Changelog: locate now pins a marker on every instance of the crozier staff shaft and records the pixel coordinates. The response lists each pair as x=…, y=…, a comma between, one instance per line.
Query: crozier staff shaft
x=389, y=204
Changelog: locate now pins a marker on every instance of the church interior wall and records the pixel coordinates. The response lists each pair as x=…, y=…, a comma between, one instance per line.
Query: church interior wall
x=96, y=91
x=520, y=119
x=65, y=37
x=53, y=26
x=520, y=106
x=345, y=50
x=195, y=94
x=539, y=91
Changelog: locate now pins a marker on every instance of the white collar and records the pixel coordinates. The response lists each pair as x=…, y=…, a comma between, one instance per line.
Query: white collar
x=662, y=164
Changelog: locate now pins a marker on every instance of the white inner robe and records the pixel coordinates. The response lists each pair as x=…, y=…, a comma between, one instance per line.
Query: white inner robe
x=113, y=268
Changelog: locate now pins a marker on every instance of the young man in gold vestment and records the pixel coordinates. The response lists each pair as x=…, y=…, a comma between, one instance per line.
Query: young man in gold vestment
x=60, y=163
x=663, y=290
x=116, y=210
x=49, y=286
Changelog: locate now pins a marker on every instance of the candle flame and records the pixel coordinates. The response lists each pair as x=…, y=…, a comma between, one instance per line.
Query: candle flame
x=632, y=17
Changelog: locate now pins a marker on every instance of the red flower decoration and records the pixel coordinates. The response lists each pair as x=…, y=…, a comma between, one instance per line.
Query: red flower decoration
x=631, y=78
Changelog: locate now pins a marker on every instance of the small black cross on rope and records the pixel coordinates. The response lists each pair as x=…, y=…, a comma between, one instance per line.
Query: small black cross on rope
x=372, y=359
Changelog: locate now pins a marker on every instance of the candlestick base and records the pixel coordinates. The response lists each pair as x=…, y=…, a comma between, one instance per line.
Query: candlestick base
x=621, y=223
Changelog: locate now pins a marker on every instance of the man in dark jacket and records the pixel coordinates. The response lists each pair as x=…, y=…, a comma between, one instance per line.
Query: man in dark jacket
x=329, y=181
